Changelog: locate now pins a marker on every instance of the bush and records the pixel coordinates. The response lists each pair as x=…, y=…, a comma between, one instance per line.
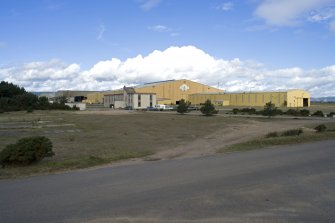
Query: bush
x=292, y=132
x=331, y=114
x=250, y=111
x=183, y=106
x=293, y=112
x=26, y=151
x=272, y=134
x=30, y=110
x=304, y=112
x=236, y=110
x=269, y=109
x=318, y=113
x=208, y=108
x=279, y=112
x=320, y=128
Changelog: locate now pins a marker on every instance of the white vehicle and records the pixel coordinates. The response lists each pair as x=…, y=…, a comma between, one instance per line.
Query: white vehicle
x=160, y=107
x=163, y=107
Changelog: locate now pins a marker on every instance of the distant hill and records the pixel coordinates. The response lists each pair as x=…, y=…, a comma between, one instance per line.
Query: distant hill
x=46, y=94
x=323, y=99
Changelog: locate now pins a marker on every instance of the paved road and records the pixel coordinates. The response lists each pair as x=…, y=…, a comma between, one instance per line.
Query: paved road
x=290, y=184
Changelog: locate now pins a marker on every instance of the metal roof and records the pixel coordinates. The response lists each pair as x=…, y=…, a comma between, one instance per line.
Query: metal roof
x=249, y=92
x=153, y=83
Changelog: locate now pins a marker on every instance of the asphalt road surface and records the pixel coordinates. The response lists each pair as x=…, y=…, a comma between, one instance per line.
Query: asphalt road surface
x=288, y=184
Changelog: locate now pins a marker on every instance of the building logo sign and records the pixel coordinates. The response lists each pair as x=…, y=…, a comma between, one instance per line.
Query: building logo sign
x=184, y=87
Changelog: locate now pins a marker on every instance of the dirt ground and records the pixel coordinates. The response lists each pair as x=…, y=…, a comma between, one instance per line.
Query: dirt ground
x=241, y=131
x=235, y=133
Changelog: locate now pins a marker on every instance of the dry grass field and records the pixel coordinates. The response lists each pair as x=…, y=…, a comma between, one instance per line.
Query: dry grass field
x=89, y=138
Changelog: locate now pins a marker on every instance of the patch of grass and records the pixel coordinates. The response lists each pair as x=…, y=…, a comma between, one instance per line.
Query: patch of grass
x=69, y=164
x=272, y=135
x=321, y=128
x=292, y=132
x=262, y=143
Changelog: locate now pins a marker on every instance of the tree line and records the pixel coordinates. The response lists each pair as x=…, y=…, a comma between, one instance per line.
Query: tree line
x=15, y=98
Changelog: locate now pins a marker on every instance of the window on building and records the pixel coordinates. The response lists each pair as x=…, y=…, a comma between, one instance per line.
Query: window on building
x=139, y=101
x=151, y=100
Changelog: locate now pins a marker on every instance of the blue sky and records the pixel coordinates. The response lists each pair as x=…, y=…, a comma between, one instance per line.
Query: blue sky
x=95, y=45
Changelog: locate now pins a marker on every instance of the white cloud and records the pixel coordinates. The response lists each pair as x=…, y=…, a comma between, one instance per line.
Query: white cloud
x=159, y=28
x=287, y=12
x=164, y=29
x=323, y=14
x=186, y=62
x=227, y=6
x=101, y=32
x=147, y=5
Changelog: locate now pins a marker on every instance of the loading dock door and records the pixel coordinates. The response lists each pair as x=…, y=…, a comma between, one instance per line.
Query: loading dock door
x=305, y=102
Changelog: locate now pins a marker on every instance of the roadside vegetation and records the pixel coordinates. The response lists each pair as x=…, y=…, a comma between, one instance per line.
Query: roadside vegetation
x=292, y=136
x=270, y=110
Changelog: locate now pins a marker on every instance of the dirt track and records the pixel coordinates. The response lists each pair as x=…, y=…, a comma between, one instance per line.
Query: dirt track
x=232, y=134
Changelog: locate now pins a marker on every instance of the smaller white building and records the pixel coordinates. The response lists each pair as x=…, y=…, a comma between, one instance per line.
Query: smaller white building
x=81, y=106
x=128, y=98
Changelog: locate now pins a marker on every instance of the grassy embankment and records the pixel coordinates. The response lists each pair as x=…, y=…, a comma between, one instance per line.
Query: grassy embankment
x=265, y=142
x=309, y=136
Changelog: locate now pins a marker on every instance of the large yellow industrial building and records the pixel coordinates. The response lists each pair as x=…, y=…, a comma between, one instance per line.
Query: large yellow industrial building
x=170, y=92
x=290, y=98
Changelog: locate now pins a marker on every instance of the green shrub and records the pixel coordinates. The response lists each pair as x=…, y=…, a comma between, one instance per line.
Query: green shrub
x=270, y=109
x=208, y=108
x=26, y=151
x=331, y=114
x=250, y=111
x=279, y=112
x=236, y=110
x=293, y=112
x=292, y=132
x=304, y=112
x=320, y=128
x=30, y=110
x=296, y=112
x=318, y=113
x=272, y=134
x=183, y=106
